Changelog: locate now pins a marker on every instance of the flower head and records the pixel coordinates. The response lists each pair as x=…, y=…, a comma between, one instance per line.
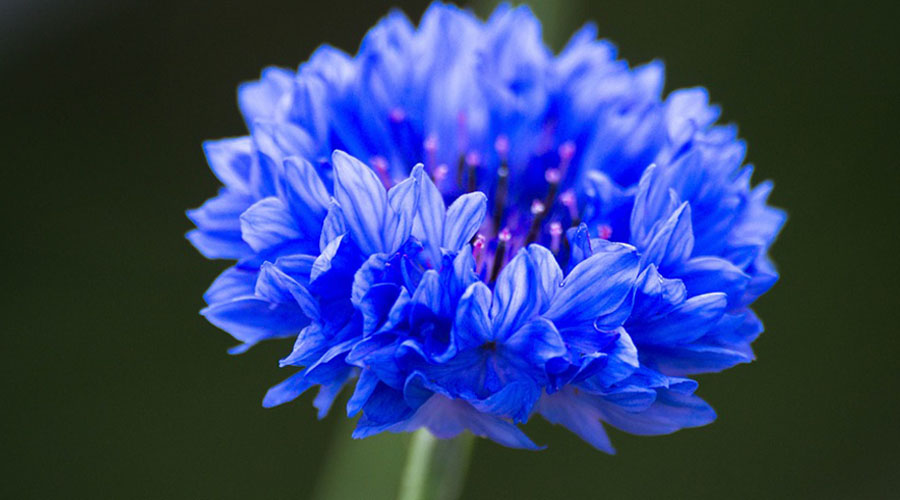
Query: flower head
x=468, y=231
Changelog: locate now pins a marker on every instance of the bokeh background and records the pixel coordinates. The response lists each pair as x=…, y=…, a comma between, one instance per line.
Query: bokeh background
x=114, y=387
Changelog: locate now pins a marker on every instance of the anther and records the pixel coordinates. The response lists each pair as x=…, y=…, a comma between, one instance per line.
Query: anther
x=556, y=232
x=478, y=251
x=430, y=146
x=501, y=146
x=604, y=231
x=500, y=254
x=439, y=173
x=397, y=115
x=473, y=160
x=566, y=152
x=538, y=210
x=568, y=200
x=552, y=176
x=381, y=166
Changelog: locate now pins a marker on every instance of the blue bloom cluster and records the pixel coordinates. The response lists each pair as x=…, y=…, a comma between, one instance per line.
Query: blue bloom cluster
x=469, y=230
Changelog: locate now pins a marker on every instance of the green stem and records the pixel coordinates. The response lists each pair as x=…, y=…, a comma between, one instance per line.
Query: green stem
x=435, y=468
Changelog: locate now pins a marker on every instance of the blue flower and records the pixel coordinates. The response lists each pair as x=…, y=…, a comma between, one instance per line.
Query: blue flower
x=470, y=231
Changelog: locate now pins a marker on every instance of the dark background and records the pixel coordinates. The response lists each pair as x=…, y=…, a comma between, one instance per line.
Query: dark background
x=113, y=385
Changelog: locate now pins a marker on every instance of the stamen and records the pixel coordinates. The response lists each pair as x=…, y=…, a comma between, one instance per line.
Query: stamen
x=473, y=159
x=538, y=210
x=462, y=131
x=439, y=173
x=604, y=231
x=500, y=253
x=478, y=252
x=381, y=166
x=397, y=115
x=556, y=232
x=568, y=200
x=462, y=144
x=430, y=146
x=566, y=152
x=566, y=251
x=552, y=176
x=502, y=147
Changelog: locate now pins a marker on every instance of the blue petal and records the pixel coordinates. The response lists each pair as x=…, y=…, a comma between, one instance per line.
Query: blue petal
x=585, y=339
x=428, y=293
x=232, y=283
x=456, y=276
x=261, y=98
x=764, y=276
x=515, y=296
x=305, y=195
x=384, y=406
x=696, y=358
x=651, y=205
x=532, y=345
x=712, y=274
x=376, y=305
x=286, y=391
x=309, y=106
x=687, y=322
x=417, y=389
x=326, y=396
x=596, y=286
x=333, y=226
x=580, y=241
x=549, y=273
x=277, y=140
x=622, y=360
x=364, y=388
x=332, y=366
x=670, y=412
x=341, y=255
x=631, y=398
x=268, y=223
x=312, y=342
x=605, y=202
x=403, y=200
x=464, y=217
x=219, y=245
x=687, y=110
x=572, y=410
x=656, y=295
x=447, y=418
x=515, y=400
x=363, y=201
x=672, y=244
x=278, y=287
x=398, y=313
x=472, y=326
x=231, y=160
x=252, y=319
x=368, y=275
x=298, y=266
x=429, y=224
x=220, y=214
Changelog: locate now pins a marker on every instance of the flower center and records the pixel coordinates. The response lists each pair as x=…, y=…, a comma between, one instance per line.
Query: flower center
x=530, y=209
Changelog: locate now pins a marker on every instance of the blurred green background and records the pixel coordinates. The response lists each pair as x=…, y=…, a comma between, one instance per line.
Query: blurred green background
x=114, y=387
